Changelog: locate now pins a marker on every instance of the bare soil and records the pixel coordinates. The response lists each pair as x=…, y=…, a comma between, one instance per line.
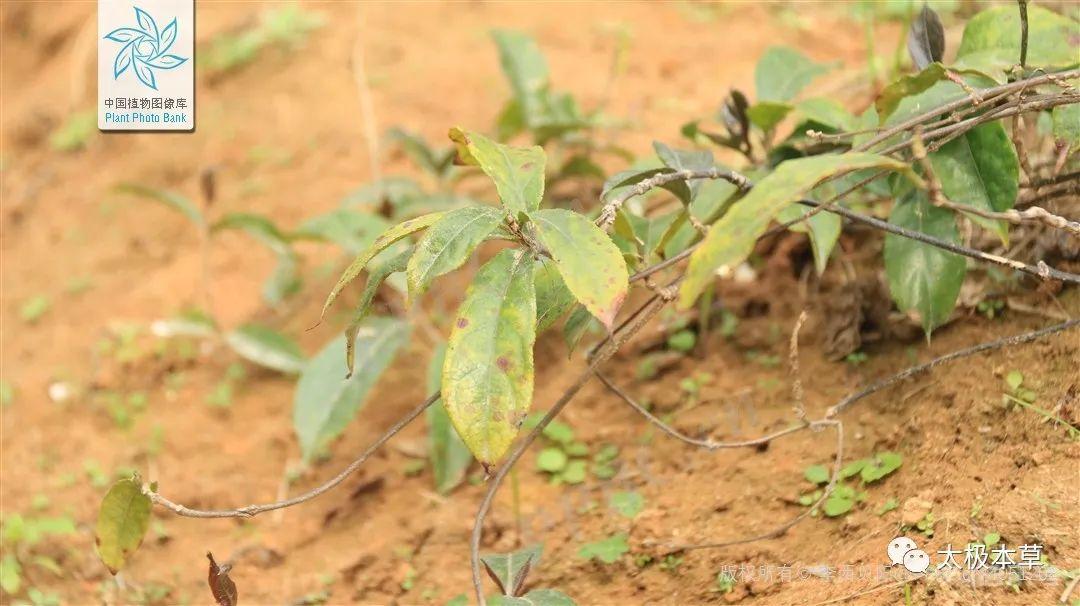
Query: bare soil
x=384, y=537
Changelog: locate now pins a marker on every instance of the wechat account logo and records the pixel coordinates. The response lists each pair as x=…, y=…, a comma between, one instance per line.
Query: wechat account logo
x=145, y=48
x=904, y=552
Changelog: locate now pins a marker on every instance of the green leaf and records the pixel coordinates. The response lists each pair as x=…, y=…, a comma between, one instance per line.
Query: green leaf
x=450, y=458
x=351, y=230
x=551, y=460
x=266, y=347
x=767, y=114
x=589, y=262
x=1014, y=379
x=324, y=403
x=923, y=278
x=10, y=574
x=376, y=276
x=488, y=375
x=782, y=72
x=285, y=280
x=852, y=469
x=553, y=298
x=191, y=323
x=837, y=506
x=171, y=199
x=732, y=237
x=992, y=40
x=627, y=503
x=991, y=538
x=919, y=100
x=525, y=67
x=1067, y=125
x=34, y=308
x=616, y=183
x=122, y=522
x=435, y=162
x=816, y=474
x=881, y=465
x=559, y=432
x=608, y=550
x=980, y=169
x=518, y=172
x=387, y=238
x=907, y=86
x=677, y=159
x=577, y=323
x=510, y=569
x=536, y=597
x=682, y=341
x=823, y=229
x=449, y=243
x=827, y=112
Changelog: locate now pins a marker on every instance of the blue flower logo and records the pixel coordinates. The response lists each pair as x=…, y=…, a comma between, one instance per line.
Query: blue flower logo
x=145, y=48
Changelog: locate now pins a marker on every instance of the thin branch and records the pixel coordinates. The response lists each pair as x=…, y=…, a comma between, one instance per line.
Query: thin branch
x=985, y=93
x=793, y=360
x=608, y=212
x=707, y=444
x=956, y=355
x=253, y=510
x=1023, y=32
x=944, y=134
x=786, y=526
x=1041, y=271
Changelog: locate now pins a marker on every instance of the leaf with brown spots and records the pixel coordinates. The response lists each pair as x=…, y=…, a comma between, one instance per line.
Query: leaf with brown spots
x=518, y=172
x=380, y=244
x=487, y=379
x=221, y=586
x=588, y=261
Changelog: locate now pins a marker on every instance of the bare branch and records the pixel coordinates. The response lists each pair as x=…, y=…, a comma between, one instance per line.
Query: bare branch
x=783, y=528
x=793, y=360
x=956, y=355
x=253, y=510
x=608, y=212
x=985, y=93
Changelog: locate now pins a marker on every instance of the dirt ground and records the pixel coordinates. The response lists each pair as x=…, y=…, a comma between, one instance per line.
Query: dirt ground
x=384, y=537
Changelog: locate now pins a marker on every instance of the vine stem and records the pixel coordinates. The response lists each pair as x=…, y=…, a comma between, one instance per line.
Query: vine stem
x=252, y=510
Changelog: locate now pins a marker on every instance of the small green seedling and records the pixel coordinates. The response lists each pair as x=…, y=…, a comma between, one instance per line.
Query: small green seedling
x=608, y=551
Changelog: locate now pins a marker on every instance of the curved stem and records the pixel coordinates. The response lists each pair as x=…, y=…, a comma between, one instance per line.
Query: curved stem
x=253, y=510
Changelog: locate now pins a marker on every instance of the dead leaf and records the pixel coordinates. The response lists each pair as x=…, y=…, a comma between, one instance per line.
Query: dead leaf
x=221, y=586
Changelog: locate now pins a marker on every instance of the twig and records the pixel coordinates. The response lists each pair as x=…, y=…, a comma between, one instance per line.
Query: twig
x=611, y=208
x=1023, y=32
x=793, y=359
x=985, y=93
x=783, y=528
x=707, y=444
x=253, y=510
x=963, y=353
x=1041, y=271
x=937, y=198
x=1064, y=599
x=944, y=134
x=875, y=589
